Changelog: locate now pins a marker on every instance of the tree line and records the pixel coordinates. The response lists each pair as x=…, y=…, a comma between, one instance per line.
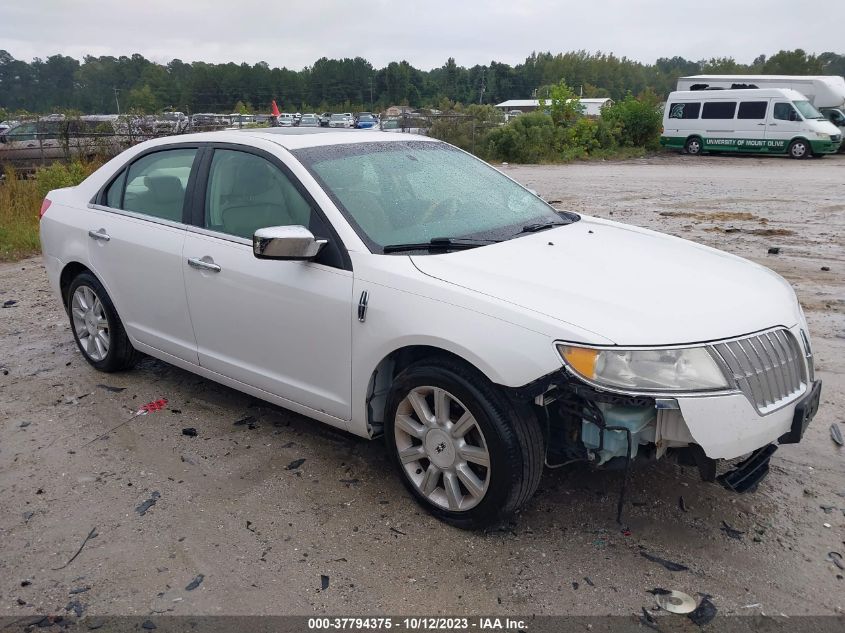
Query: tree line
x=133, y=83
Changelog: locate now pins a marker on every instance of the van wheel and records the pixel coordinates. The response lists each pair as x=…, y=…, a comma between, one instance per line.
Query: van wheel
x=693, y=146
x=97, y=329
x=799, y=149
x=465, y=453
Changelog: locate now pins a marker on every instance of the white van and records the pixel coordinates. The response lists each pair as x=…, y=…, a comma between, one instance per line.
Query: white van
x=773, y=121
x=826, y=92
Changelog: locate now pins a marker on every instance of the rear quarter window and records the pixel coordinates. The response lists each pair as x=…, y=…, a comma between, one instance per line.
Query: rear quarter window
x=684, y=110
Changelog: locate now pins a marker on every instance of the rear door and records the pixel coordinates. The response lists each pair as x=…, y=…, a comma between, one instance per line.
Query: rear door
x=719, y=125
x=284, y=327
x=136, y=235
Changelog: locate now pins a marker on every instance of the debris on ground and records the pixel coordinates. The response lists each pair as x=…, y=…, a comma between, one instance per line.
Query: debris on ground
x=682, y=504
x=9, y=303
x=295, y=464
x=704, y=612
x=91, y=534
x=588, y=581
x=155, y=405
x=77, y=590
x=397, y=531
x=111, y=388
x=24, y=424
x=826, y=268
x=731, y=531
x=149, y=503
x=836, y=559
x=575, y=585
x=189, y=431
x=324, y=582
x=668, y=564
x=827, y=509
x=836, y=434
x=148, y=625
x=646, y=619
x=249, y=422
x=196, y=582
x=673, y=601
x=77, y=607
x=774, y=250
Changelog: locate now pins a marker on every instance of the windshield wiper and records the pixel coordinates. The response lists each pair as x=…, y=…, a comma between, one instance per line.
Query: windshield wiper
x=540, y=226
x=438, y=243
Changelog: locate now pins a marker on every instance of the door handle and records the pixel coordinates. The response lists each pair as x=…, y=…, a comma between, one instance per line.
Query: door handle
x=201, y=264
x=772, y=124
x=99, y=235
x=761, y=124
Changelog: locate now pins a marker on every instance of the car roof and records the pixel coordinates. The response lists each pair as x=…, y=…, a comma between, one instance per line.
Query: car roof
x=294, y=138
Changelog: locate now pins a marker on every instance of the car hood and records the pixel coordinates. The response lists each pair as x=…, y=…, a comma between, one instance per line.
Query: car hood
x=629, y=285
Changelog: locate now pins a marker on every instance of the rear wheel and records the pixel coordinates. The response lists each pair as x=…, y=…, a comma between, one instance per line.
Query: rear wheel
x=97, y=329
x=464, y=452
x=799, y=148
x=693, y=146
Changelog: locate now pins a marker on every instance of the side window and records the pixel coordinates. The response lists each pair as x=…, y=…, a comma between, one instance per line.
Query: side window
x=752, y=110
x=247, y=192
x=684, y=110
x=23, y=132
x=155, y=184
x=718, y=110
x=115, y=191
x=785, y=112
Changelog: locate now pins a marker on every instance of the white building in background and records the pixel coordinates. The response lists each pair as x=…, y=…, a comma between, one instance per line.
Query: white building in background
x=592, y=107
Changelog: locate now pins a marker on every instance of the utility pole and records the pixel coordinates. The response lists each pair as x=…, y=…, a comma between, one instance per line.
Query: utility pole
x=371, y=93
x=481, y=92
x=116, y=100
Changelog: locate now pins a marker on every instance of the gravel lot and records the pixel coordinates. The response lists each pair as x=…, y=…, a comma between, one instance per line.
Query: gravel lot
x=233, y=505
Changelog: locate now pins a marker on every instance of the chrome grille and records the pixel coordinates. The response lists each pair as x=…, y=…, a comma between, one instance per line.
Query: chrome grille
x=767, y=367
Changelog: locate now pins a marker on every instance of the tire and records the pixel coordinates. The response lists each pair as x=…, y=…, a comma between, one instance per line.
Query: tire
x=693, y=146
x=443, y=463
x=799, y=149
x=96, y=328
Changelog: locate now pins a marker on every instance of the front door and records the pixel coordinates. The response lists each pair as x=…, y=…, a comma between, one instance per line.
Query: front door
x=281, y=326
x=784, y=124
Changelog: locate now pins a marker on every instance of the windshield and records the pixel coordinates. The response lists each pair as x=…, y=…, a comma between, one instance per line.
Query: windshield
x=807, y=110
x=366, y=117
x=338, y=117
x=411, y=192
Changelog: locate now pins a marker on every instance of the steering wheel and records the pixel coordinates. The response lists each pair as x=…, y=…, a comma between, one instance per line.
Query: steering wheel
x=446, y=208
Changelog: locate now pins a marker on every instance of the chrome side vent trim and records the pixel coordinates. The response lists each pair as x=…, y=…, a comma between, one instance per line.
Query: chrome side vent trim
x=768, y=368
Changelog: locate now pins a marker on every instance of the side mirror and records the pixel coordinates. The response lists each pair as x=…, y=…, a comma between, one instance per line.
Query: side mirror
x=286, y=243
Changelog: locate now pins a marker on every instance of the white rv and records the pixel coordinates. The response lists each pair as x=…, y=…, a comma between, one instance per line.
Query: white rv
x=769, y=121
x=826, y=92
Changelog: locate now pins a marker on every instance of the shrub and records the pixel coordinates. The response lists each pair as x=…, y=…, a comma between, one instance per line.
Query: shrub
x=638, y=120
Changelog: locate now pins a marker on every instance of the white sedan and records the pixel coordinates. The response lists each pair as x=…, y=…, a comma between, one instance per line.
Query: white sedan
x=393, y=285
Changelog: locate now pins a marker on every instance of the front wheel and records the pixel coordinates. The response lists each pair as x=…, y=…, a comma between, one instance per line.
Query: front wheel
x=464, y=452
x=799, y=149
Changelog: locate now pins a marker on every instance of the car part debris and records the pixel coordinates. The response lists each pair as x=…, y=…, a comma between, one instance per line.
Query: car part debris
x=155, y=405
x=248, y=420
x=295, y=464
x=682, y=504
x=588, y=581
x=731, y=531
x=774, y=250
x=111, y=388
x=668, y=564
x=148, y=625
x=196, y=582
x=77, y=590
x=9, y=303
x=674, y=601
x=575, y=585
x=324, y=582
x=91, y=534
x=836, y=559
x=836, y=434
x=149, y=503
x=750, y=472
x=77, y=607
x=827, y=509
x=189, y=431
x=704, y=612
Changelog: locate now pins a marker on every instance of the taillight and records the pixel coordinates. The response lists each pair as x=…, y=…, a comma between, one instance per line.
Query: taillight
x=44, y=206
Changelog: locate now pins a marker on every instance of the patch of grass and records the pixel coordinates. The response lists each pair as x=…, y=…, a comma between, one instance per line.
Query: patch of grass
x=20, y=202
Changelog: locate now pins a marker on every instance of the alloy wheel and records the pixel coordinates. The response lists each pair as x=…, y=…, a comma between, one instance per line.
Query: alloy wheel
x=442, y=449
x=90, y=323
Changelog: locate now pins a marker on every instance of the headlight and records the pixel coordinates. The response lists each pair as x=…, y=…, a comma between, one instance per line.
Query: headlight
x=656, y=370
x=822, y=135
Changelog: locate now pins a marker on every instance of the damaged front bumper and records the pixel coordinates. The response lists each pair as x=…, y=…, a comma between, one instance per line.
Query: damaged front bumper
x=586, y=422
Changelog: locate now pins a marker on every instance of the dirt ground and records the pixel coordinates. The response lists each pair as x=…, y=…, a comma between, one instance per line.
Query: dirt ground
x=267, y=534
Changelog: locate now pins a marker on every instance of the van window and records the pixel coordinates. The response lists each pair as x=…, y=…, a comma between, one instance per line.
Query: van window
x=718, y=110
x=684, y=110
x=785, y=112
x=752, y=110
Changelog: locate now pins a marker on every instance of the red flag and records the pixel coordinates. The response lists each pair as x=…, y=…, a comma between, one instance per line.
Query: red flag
x=274, y=110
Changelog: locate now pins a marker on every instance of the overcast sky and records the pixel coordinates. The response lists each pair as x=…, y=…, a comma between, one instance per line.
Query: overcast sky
x=424, y=32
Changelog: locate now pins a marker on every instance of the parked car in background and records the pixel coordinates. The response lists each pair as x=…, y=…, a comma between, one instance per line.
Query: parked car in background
x=325, y=118
x=7, y=125
x=286, y=120
x=309, y=120
x=366, y=121
x=51, y=138
x=341, y=120
x=398, y=287
x=403, y=124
